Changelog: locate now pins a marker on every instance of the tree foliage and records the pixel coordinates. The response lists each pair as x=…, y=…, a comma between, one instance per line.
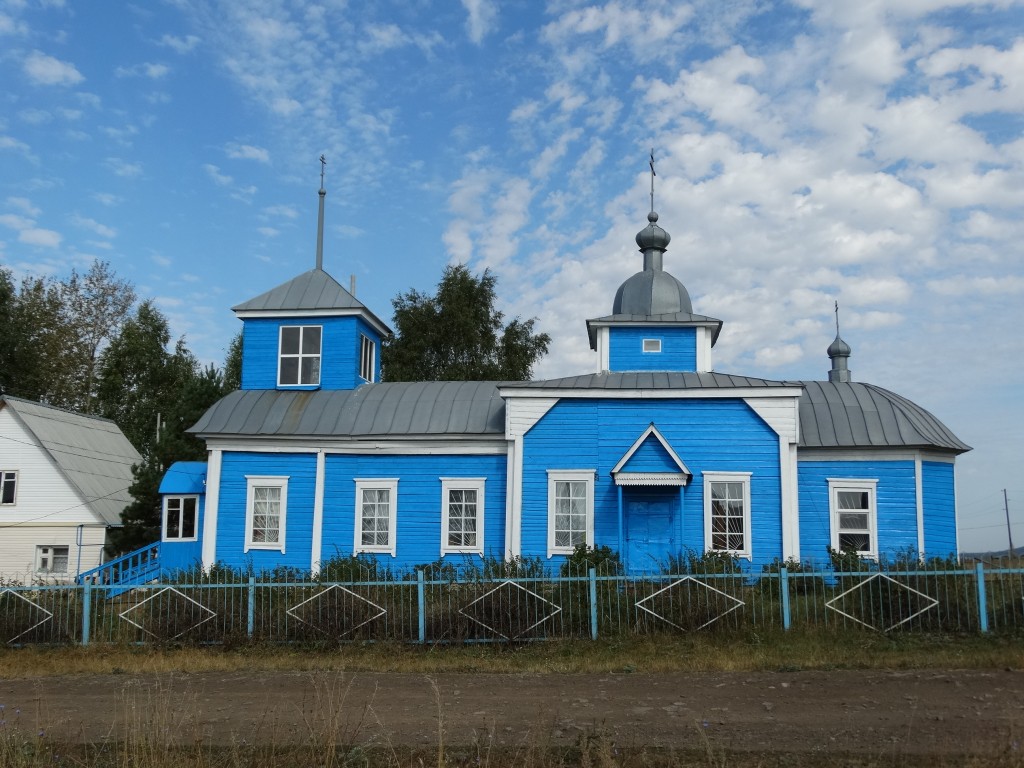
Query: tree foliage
x=458, y=334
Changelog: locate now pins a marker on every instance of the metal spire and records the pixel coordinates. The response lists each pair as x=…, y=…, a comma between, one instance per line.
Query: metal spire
x=320, y=219
x=653, y=174
x=837, y=318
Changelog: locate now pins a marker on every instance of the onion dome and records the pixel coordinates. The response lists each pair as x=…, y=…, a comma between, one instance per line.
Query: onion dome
x=652, y=291
x=838, y=352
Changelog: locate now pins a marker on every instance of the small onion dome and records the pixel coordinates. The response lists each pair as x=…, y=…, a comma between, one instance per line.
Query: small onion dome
x=839, y=348
x=653, y=236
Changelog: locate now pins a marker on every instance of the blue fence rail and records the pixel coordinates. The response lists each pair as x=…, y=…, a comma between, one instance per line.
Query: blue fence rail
x=465, y=605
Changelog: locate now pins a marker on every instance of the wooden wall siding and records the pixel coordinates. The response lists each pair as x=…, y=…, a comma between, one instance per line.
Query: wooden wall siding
x=43, y=491
x=651, y=456
x=18, y=550
x=896, y=502
x=339, y=364
x=678, y=349
x=707, y=435
x=300, y=469
x=419, y=503
x=185, y=555
x=939, y=509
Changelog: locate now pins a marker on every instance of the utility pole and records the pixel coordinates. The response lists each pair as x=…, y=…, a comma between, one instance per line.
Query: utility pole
x=1009, y=531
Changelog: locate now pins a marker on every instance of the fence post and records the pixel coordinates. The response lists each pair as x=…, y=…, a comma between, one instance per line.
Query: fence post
x=979, y=570
x=784, y=592
x=593, y=604
x=251, y=620
x=421, y=604
x=86, y=611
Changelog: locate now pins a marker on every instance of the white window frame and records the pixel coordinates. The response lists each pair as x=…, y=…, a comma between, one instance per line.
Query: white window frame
x=857, y=485
x=252, y=482
x=300, y=356
x=181, y=499
x=651, y=346
x=6, y=476
x=449, y=484
x=376, y=484
x=570, y=475
x=728, y=477
x=48, y=551
x=367, y=357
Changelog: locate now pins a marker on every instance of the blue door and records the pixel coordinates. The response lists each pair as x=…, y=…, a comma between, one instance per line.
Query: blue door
x=651, y=528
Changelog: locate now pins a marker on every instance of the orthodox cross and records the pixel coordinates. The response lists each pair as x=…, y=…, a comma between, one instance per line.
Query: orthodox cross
x=653, y=174
x=323, y=165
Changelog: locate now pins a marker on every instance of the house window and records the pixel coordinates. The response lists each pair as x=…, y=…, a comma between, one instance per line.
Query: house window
x=266, y=507
x=376, y=516
x=52, y=559
x=462, y=515
x=652, y=345
x=854, y=516
x=727, y=512
x=367, y=357
x=180, y=518
x=299, y=363
x=570, y=510
x=8, y=486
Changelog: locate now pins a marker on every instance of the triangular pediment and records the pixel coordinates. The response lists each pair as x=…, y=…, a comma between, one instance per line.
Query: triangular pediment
x=651, y=461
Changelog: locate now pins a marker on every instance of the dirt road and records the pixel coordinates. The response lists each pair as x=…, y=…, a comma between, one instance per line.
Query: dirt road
x=875, y=713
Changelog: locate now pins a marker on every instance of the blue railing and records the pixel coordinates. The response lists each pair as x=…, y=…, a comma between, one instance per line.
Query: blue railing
x=126, y=572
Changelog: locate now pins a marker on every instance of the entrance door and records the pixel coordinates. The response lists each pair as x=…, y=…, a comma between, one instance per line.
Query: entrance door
x=651, y=528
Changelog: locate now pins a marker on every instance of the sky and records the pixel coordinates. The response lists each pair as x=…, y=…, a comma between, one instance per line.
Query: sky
x=807, y=152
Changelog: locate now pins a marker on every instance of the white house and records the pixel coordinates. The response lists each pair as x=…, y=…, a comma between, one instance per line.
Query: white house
x=64, y=480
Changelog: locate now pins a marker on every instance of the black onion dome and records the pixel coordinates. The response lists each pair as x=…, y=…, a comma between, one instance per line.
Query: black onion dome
x=652, y=291
x=839, y=348
x=653, y=236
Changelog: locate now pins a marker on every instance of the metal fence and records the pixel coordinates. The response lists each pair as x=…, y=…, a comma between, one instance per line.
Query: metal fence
x=510, y=603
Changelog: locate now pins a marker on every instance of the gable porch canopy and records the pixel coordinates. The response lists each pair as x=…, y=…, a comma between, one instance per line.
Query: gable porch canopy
x=674, y=473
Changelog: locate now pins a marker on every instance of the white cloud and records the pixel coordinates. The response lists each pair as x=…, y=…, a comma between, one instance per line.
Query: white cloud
x=43, y=238
x=24, y=205
x=218, y=178
x=13, y=221
x=123, y=168
x=147, y=69
x=46, y=70
x=482, y=18
x=160, y=260
x=179, y=44
x=248, y=152
x=268, y=231
x=93, y=226
x=107, y=199
x=974, y=285
x=9, y=142
x=282, y=211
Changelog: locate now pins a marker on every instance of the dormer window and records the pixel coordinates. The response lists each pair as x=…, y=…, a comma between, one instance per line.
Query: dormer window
x=652, y=345
x=367, y=358
x=299, y=361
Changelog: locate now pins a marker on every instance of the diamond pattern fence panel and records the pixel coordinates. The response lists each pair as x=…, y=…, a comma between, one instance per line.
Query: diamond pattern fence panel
x=359, y=601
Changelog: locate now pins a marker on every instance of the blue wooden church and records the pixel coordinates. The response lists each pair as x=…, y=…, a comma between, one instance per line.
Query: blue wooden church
x=654, y=454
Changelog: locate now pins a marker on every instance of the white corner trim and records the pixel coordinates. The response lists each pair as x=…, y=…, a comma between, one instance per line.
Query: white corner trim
x=919, y=490
x=209, y=547
x=778, y=414
x=703, y=349
x=318, y=513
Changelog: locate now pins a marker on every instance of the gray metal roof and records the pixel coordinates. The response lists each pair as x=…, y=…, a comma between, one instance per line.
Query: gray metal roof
x=92, y=452
x=668, y=318
x=832, y=414
x=312, y=290
x=399, y=409
x=856, y=415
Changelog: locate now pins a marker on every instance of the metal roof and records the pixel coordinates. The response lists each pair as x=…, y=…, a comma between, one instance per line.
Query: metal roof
x=856, y=415
x=832, y=414
x=311, y=291
x=398, y=409
x=92, y=453
x=185, y=477
x=668, y=318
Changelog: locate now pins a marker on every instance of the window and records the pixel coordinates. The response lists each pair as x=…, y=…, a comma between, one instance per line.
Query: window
x=570, y=510
x=52, y=559
x=367, y=357
x=652, y=345
x=8, y=487
x=299, y=363
x=266, y=506
x=727, y=512
x=376, y=515
x=854, y=516
x=180, y=518
x=462, y=515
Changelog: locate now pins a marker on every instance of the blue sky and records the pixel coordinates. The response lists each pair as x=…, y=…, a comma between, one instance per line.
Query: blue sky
x=807, y=152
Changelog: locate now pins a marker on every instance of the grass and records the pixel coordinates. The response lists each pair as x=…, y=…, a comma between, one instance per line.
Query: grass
x=727, y=652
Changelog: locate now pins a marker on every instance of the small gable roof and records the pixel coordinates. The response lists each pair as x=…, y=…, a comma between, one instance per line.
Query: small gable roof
x=625, y=474
x=314, y=291
x=668, y=319
x=185, y=477
x=91, y=452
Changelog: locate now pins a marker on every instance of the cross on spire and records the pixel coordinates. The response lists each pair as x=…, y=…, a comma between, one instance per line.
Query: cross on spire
x=323, y=166
x=653, y=174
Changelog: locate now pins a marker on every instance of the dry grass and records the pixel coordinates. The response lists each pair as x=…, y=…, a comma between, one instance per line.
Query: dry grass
x=706, y=653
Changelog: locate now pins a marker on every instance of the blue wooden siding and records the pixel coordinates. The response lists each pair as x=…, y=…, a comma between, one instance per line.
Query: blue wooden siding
x=419, y=503
x=184, y=555
x=708, y=435
x=362, y=328
x=939, y=508
x=895, y=501
x=300, y=469
x=678, y=349
x=339, y=363
x=651, y=456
